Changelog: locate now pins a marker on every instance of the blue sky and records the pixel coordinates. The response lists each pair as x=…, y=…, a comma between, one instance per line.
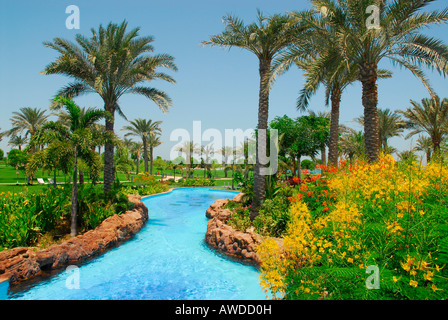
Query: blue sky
x=216, y=86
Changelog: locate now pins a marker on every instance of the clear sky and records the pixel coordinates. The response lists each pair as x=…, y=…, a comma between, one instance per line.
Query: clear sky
x=216, y=86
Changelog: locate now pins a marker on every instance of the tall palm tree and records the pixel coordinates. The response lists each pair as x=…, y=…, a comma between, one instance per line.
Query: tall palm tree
x=143, y=129
x=265, y=38
x=153, y=141
x=111, y=63
x=431, y=116
x=78, y=138
x=397, y=38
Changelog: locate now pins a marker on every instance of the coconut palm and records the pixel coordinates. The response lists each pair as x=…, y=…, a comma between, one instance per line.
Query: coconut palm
x=265, y=38
x=78, y=139
x=431, y=117
x=111, y=63
x=143, y=129
x=397, y=37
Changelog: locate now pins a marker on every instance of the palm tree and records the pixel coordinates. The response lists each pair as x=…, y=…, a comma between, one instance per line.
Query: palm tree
x=136, y=152
x=351, y=143
x=431, y=116
x=390, y=124
x=143, y=129
x=27, y=120
x=397, y=38
x=17, y=142
x=77, y=138
x=265, y=38
x=425, y=144
x=111, y=63
x=153, y=141
x=189, y=148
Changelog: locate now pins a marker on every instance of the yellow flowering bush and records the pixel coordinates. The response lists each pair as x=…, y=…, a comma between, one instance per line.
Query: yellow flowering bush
x=390, y=215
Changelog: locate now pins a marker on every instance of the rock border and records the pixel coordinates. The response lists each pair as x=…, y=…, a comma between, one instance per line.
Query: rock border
x=227, y=240
x=23, y=263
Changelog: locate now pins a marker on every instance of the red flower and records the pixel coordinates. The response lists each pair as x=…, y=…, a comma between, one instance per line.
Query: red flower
x=296, y=179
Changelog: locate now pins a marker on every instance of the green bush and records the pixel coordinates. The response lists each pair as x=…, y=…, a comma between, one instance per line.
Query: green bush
x=196, y=182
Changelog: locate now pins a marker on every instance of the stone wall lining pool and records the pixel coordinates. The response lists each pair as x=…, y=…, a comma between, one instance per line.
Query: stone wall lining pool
x=166, y=260
x=23, y=263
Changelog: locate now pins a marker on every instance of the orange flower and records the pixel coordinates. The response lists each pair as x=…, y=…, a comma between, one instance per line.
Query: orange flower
x=295, y=179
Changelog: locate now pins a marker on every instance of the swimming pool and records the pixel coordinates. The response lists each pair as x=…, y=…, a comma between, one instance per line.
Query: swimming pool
x=166, y=260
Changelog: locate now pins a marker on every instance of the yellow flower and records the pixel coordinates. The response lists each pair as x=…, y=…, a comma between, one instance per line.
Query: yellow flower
x=413, y=283
x=395, y=279
x=428, y=276
x=434, y=288
x=350, y=260
x=421, y=212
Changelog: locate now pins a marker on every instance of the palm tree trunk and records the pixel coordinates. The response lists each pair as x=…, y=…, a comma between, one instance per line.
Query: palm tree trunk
x=151, y=151
x=368, y=78
x=145, y=155
x=109, y=154
x=263, y=114
x=334, y=128
x=73, y=219
x=54, y=179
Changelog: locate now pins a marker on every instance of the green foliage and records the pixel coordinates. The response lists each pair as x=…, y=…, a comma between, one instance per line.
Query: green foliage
x=1, y=154
x=196, y=182
x=26, y=216
x=18, y=158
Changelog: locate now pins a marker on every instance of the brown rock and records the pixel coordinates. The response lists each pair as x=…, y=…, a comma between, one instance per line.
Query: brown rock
x=23, y=263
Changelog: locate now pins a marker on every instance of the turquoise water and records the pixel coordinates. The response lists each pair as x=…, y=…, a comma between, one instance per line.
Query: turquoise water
x=166, y=260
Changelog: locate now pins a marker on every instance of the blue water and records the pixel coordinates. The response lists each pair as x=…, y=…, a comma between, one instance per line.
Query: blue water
x=167, y=259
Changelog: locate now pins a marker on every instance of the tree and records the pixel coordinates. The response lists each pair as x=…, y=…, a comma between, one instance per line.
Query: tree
x=351, y=143
x=300, y=137
x=390, y=124
x=153, y=142
x=27, y=120
x=395, y=36
x=17, y=142
x=77, y=138
x=265, y=38
x=425, y=144
x=431, y=116
x=111, y=63
x=144, y=129
x=189, y=148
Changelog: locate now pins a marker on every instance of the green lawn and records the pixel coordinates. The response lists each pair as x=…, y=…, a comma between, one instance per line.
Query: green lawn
x=9, y=178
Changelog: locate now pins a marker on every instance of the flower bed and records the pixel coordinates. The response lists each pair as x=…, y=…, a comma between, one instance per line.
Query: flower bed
x=389, y=219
